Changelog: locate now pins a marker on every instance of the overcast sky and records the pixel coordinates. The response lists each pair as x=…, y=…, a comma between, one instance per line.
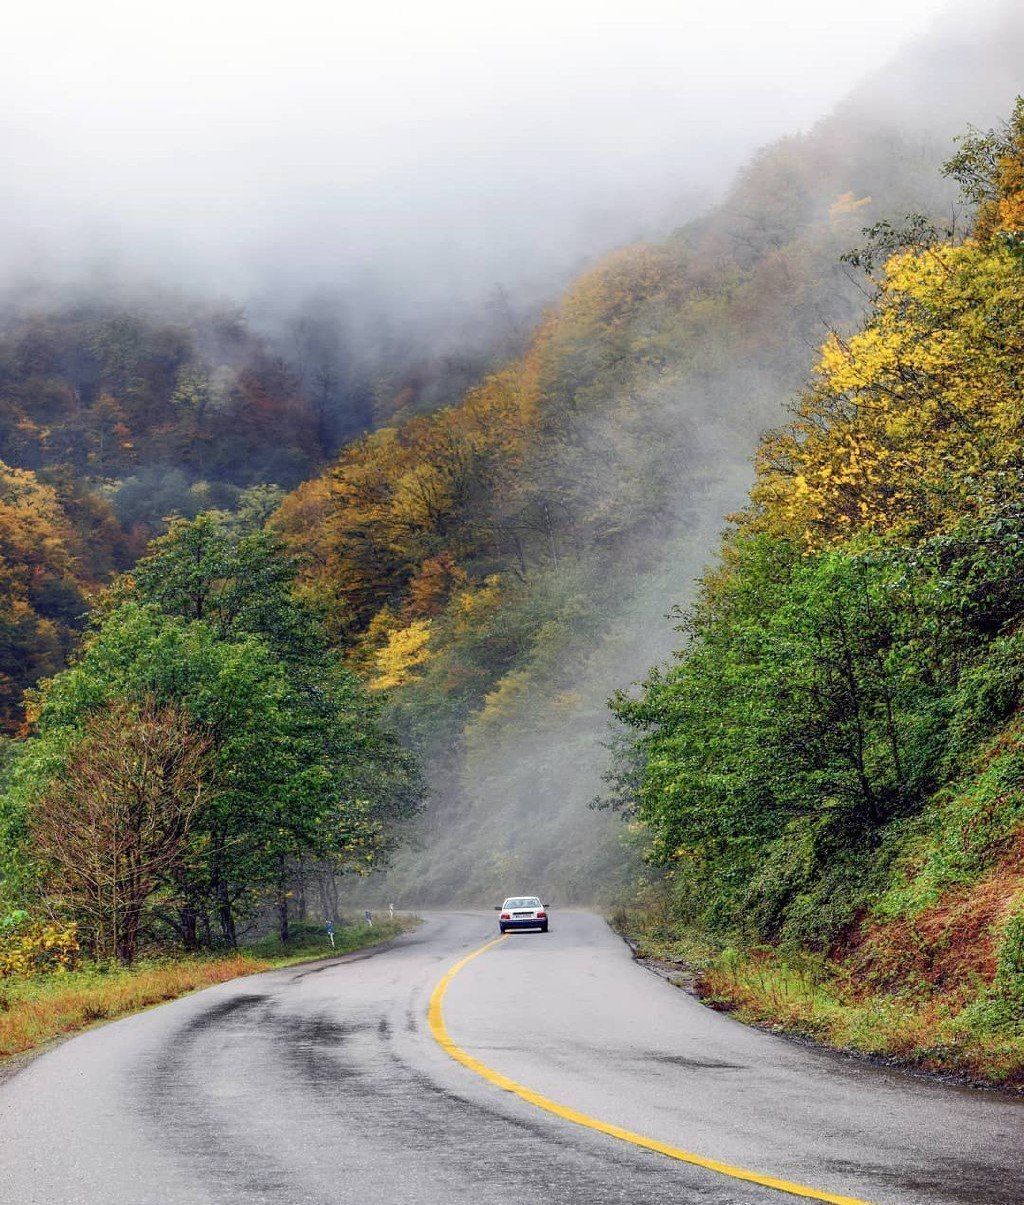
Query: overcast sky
x=252, y=147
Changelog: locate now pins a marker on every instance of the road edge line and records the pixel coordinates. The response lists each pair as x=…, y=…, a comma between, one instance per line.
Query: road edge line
x=440, y=1034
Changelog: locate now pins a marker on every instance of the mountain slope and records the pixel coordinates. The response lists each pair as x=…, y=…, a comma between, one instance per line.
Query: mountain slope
x=833, y=766
x=500, y=564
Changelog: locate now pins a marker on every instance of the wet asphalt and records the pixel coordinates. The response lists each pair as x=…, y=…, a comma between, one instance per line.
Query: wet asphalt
x=322, y=1084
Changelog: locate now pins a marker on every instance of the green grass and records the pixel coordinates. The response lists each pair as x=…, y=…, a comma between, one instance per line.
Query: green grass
x=309, y=942
x=35, y=1010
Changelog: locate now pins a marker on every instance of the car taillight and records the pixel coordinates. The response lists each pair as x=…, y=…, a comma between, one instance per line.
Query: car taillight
x=505, y=916
x=542, y=916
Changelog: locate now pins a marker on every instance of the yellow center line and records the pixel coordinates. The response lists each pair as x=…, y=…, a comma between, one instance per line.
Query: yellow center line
x=435, y=1018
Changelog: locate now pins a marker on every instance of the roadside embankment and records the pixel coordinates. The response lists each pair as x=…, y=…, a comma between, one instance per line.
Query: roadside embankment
x=967, y=1032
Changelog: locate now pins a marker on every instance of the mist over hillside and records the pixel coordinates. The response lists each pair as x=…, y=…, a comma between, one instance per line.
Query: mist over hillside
x=330, y=266
x=454, y=452
x=674, y=371
x=417, y=184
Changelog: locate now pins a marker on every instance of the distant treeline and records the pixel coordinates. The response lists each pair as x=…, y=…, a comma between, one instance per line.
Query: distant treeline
x=169, y=415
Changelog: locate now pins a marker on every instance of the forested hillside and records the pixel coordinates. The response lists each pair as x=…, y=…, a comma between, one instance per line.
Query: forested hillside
x=833, y=765
x=164, y=412
x=57, y=544
x=496, y=565
x=459, y=577
x=114, y=417
x=111, y=420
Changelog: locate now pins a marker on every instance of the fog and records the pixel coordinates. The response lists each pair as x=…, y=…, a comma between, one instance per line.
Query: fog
x=512, y=807
x=416, y=166
x=411, y=179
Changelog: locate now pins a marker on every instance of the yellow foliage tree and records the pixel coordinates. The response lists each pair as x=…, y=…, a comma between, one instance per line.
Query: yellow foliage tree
x=43, y=584
x=915, y=421
x=36, y=947
x=406, y=650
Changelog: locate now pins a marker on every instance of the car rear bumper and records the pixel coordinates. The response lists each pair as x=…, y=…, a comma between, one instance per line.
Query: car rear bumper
x=530, y=923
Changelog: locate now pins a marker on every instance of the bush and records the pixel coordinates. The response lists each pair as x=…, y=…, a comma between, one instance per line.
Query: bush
x=33, y=947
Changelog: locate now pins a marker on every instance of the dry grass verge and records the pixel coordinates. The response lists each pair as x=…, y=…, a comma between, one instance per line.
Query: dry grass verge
x=36, y=1010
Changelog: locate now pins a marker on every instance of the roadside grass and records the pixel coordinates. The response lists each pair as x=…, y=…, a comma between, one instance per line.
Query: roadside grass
x=977, y=1034
x=310, y=942
x=37, y=1009
x=978, y=1041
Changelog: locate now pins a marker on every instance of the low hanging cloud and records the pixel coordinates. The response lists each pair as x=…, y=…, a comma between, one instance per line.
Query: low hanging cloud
x=426, y=170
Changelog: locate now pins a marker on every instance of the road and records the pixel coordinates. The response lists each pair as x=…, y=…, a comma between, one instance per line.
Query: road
x=326, y=1084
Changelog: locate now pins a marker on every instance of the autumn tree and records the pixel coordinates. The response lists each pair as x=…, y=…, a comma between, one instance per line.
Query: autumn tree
x=55, y=546
x=111, y=832
x=989, y=168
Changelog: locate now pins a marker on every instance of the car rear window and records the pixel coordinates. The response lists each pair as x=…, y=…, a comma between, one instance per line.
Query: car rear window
x=530, y=901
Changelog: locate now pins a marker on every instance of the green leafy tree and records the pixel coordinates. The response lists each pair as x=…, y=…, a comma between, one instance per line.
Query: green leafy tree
x=303, y=766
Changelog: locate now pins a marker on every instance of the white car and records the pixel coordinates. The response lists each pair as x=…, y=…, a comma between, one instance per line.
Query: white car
x=523, y=912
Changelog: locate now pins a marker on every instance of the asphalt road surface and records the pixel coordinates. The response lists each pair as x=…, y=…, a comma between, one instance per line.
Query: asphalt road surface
x=325, y=1084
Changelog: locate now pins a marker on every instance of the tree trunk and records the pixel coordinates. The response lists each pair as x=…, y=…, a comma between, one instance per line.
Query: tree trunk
x=332, y=892
x=282, y=899
x=128, y=934
x=188, y=924
x=226, y=916
x=223, y=897
x=300, y=883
